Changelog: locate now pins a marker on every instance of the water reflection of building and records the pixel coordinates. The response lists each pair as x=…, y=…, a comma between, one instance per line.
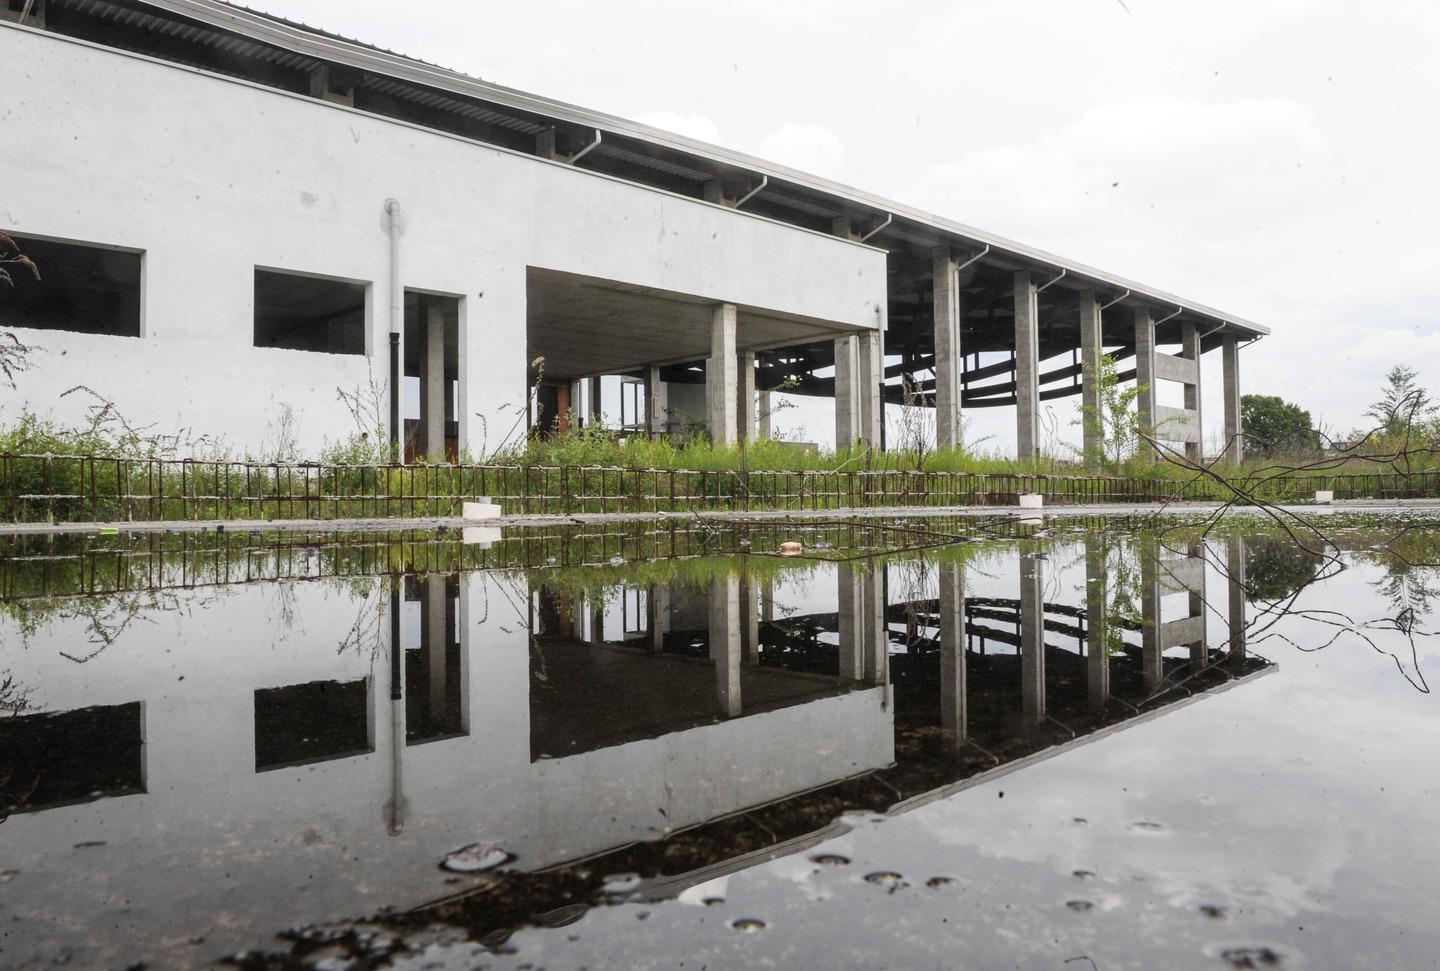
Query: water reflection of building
x=224, y=761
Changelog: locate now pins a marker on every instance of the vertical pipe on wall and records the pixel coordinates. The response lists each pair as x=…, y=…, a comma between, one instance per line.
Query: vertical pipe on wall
x=392, y=212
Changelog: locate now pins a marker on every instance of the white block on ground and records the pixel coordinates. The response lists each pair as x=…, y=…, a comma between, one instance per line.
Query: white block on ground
x=480, y=510
x=1031, y=500
x=1324, y=497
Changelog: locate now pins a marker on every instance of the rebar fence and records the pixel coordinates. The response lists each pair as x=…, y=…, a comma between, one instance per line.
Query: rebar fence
x=93, y=488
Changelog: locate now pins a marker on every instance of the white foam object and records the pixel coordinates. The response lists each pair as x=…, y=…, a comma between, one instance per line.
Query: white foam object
x=484, y=536
x=1324, y=497
x=1032, y=500
x=480, y=510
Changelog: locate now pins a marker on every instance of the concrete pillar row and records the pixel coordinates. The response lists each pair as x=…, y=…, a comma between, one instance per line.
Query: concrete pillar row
x=1092, y=347
x=745, y=397
x=948, y=365
x=1230, y=360
x=1145, y=369
x=871, y=374
x=720, y=375
x=1190, y=350
x=1027, y=367
x=847, y=391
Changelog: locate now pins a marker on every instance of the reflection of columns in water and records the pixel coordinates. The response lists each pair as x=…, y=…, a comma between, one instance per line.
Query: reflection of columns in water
x=750, y=618
x=767, y=607
x=851, y=622
x=877, y=629
x=1097, y=650
x=435, y=635
x=1152, y=662
x=597, y=620
x=954, y=721
x=1032, y=633
x=395, y=809
x=1235, y=567
x=1194, y=580
x=657, y=607
x=725, y=650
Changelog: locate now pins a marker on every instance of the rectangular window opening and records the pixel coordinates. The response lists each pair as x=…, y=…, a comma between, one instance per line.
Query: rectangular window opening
x=80, y=287
x=308, y=313
x=59, y=759
x=314, y=722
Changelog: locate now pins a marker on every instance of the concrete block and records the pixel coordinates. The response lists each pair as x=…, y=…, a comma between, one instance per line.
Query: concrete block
x=1032, y=500
x=1324, y=497
x=484, y=509
x=483, y=536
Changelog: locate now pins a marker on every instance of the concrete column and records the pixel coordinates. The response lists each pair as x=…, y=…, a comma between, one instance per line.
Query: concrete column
x=1199, y=650
x=435, y=635
x=767, y=609
x=1032, y=633
x=725, y=648
x=1190, y=350
x=1027, y=367
x=1091, y=348
x=655, y=402
x=1235, y=566
x=847, y=392
x=745, y=397
x=763, y=425
x=954, y=716
x=851, y=623
x=432, y=381
x=720, y=376
x=597, y=621
x=947, y=315
x=1097, y=650
x=1145, y=370
x=876, y=637
x=657, y=608
x=871, y=372
x=750, y=619
x=1230, y=358
x=596, y=411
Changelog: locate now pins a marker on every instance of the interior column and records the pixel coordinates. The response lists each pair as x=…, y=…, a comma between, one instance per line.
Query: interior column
x=1027, y=367
x=720, y=376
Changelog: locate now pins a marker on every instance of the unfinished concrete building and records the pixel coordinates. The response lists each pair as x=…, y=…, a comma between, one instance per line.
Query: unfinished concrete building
x=239, y=217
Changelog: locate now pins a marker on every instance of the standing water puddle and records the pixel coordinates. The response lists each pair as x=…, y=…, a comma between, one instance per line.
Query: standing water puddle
x=1060, y=743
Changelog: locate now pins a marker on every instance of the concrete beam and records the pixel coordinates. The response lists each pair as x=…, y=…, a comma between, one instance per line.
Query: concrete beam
x=720, y=377
x=847, y=391
x=745, y=397
x=1190, y=351
x=1230, y=359
x=1091, y=347
x=1145, y=369
x=1168, y=367
x=1027, y=367
x=1176, y=425
x=947, y=316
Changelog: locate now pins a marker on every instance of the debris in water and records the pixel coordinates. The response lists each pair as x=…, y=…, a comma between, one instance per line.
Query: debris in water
x=1215, y=911
x=935, y=883
x=748, y=924
x=475, y=858
x=791, y=548
x=1258, y=956
x=830, y=859
x=1080, y=906
x=886, y=878
x=621, y=883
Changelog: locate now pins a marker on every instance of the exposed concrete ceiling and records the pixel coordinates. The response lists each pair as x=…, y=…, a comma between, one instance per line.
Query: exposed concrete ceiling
x=584, y=326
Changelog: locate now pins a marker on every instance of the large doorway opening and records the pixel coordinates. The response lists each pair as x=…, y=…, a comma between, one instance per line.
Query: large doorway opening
x=432, y=377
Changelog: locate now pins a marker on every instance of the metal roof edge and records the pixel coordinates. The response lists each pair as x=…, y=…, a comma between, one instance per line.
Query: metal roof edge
x=282, y=33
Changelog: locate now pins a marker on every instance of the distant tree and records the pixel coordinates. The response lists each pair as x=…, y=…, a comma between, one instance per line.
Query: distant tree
x=14, y=353
x=1274, y=426
x=1404, y=405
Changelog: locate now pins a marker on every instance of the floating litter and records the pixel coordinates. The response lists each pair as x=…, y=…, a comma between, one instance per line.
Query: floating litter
x=475, y=858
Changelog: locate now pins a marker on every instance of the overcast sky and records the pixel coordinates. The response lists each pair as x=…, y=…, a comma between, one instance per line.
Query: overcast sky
x=1276, y=159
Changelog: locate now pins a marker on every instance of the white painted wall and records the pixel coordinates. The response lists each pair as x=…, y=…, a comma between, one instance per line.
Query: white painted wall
x=211, y=177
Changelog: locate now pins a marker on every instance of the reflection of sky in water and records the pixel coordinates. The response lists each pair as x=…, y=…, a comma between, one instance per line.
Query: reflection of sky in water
x=1294, y=811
